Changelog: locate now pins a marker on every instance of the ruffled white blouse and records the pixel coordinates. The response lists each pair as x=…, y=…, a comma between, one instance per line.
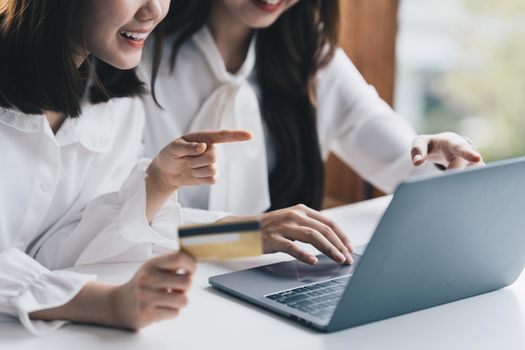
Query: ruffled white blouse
x=77, y=197
x=352, y=121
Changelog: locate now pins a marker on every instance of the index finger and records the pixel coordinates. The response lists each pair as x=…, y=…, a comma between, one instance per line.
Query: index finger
x=337, y=230
x=466, y=152
x=222, y=136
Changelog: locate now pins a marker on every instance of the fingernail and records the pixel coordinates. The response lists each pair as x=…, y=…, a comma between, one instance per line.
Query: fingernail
x=340, y=257
x=349, y=259
x=312, y=260
x=417, y=158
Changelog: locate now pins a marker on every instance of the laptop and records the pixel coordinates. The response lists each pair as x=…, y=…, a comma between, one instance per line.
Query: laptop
x=441, y=239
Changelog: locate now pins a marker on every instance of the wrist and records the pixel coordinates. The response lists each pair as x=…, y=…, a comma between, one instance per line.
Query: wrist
x=116, y=313
x=158, y=180
x=92, y=304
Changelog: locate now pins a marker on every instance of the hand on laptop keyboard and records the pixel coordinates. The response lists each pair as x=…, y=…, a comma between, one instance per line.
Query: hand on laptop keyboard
x=280, y=228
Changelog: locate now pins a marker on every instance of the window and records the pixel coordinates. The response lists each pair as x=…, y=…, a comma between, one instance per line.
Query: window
x=461, y=67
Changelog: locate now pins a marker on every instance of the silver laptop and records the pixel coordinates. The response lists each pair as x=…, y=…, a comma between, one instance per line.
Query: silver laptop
x=441, y=239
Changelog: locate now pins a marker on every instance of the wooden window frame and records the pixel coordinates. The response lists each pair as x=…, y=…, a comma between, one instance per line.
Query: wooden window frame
x=368, y=36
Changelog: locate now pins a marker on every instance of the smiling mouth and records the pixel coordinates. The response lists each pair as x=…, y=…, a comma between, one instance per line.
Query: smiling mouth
x=269, y=5
x=138, y=37
x=271, y=2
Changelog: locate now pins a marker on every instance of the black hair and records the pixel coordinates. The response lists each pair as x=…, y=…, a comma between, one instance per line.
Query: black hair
x=37, y=68
x=289, y=54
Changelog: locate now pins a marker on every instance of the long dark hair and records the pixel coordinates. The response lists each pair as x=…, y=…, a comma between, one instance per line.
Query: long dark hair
x=37, y=68
x=289, y=54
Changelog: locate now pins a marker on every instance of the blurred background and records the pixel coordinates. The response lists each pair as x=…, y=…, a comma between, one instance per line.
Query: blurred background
x=460, y=65
x=456, y=65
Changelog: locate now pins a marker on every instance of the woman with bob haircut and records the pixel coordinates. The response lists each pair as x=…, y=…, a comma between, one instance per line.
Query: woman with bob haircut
x=274, y=68
x=73, y=190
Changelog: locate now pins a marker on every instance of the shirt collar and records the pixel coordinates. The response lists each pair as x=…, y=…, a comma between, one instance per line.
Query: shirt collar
x=20, y=121
x=94, y=130
x=205, y=42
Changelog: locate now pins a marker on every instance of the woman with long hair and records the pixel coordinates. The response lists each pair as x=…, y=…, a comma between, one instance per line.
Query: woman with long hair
x=73, y=190
x=273, y=67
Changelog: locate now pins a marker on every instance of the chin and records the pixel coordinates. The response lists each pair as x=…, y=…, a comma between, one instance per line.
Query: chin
x=260, y=23
x=124, y=63
x=127, y=66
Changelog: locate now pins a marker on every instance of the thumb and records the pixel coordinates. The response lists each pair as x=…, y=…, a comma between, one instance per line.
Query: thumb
x=419, y=150
x=184, y=149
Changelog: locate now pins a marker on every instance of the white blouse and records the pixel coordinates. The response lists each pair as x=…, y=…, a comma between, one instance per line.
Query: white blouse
x=352, y=121
x=77, y=197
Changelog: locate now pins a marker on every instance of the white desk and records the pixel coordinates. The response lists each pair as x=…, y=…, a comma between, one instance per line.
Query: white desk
x=216, y=321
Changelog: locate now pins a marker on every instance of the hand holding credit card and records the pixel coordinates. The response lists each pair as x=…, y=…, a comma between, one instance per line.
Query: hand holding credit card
x=221, y=241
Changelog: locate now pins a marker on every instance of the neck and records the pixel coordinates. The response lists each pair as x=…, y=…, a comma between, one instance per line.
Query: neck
x=231, y=36
x=56, y=119
x=79, y=55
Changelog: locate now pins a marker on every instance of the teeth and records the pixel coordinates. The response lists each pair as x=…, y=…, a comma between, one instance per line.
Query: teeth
x=271, y=2
x=133, y=36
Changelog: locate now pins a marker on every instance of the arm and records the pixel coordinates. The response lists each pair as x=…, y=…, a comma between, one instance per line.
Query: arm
x=185, y=162
x=368, y=135
x=156, y=292
x=92, y=304
x=139, y=220
x=26, y=286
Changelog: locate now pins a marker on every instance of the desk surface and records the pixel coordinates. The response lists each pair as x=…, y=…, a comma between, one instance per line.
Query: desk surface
x=214, y=320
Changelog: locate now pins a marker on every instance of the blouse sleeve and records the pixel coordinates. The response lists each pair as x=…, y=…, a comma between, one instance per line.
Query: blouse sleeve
x=362, y=129
x=26, y=286
x=113, y=227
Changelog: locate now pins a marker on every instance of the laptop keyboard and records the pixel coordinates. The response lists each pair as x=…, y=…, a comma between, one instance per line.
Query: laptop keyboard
x=319, y=299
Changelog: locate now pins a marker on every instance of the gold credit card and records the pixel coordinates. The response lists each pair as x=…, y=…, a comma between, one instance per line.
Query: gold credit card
x=222, y=241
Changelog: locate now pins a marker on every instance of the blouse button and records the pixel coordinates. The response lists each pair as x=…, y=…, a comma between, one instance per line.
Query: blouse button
x=45, y=187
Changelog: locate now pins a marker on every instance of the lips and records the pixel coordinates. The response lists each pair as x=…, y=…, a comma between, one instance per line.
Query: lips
x=134, y=38
x=271, y=2
x=268, y=5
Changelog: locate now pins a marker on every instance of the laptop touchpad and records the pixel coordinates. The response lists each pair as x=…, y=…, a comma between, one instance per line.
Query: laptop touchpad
x=298, y=271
